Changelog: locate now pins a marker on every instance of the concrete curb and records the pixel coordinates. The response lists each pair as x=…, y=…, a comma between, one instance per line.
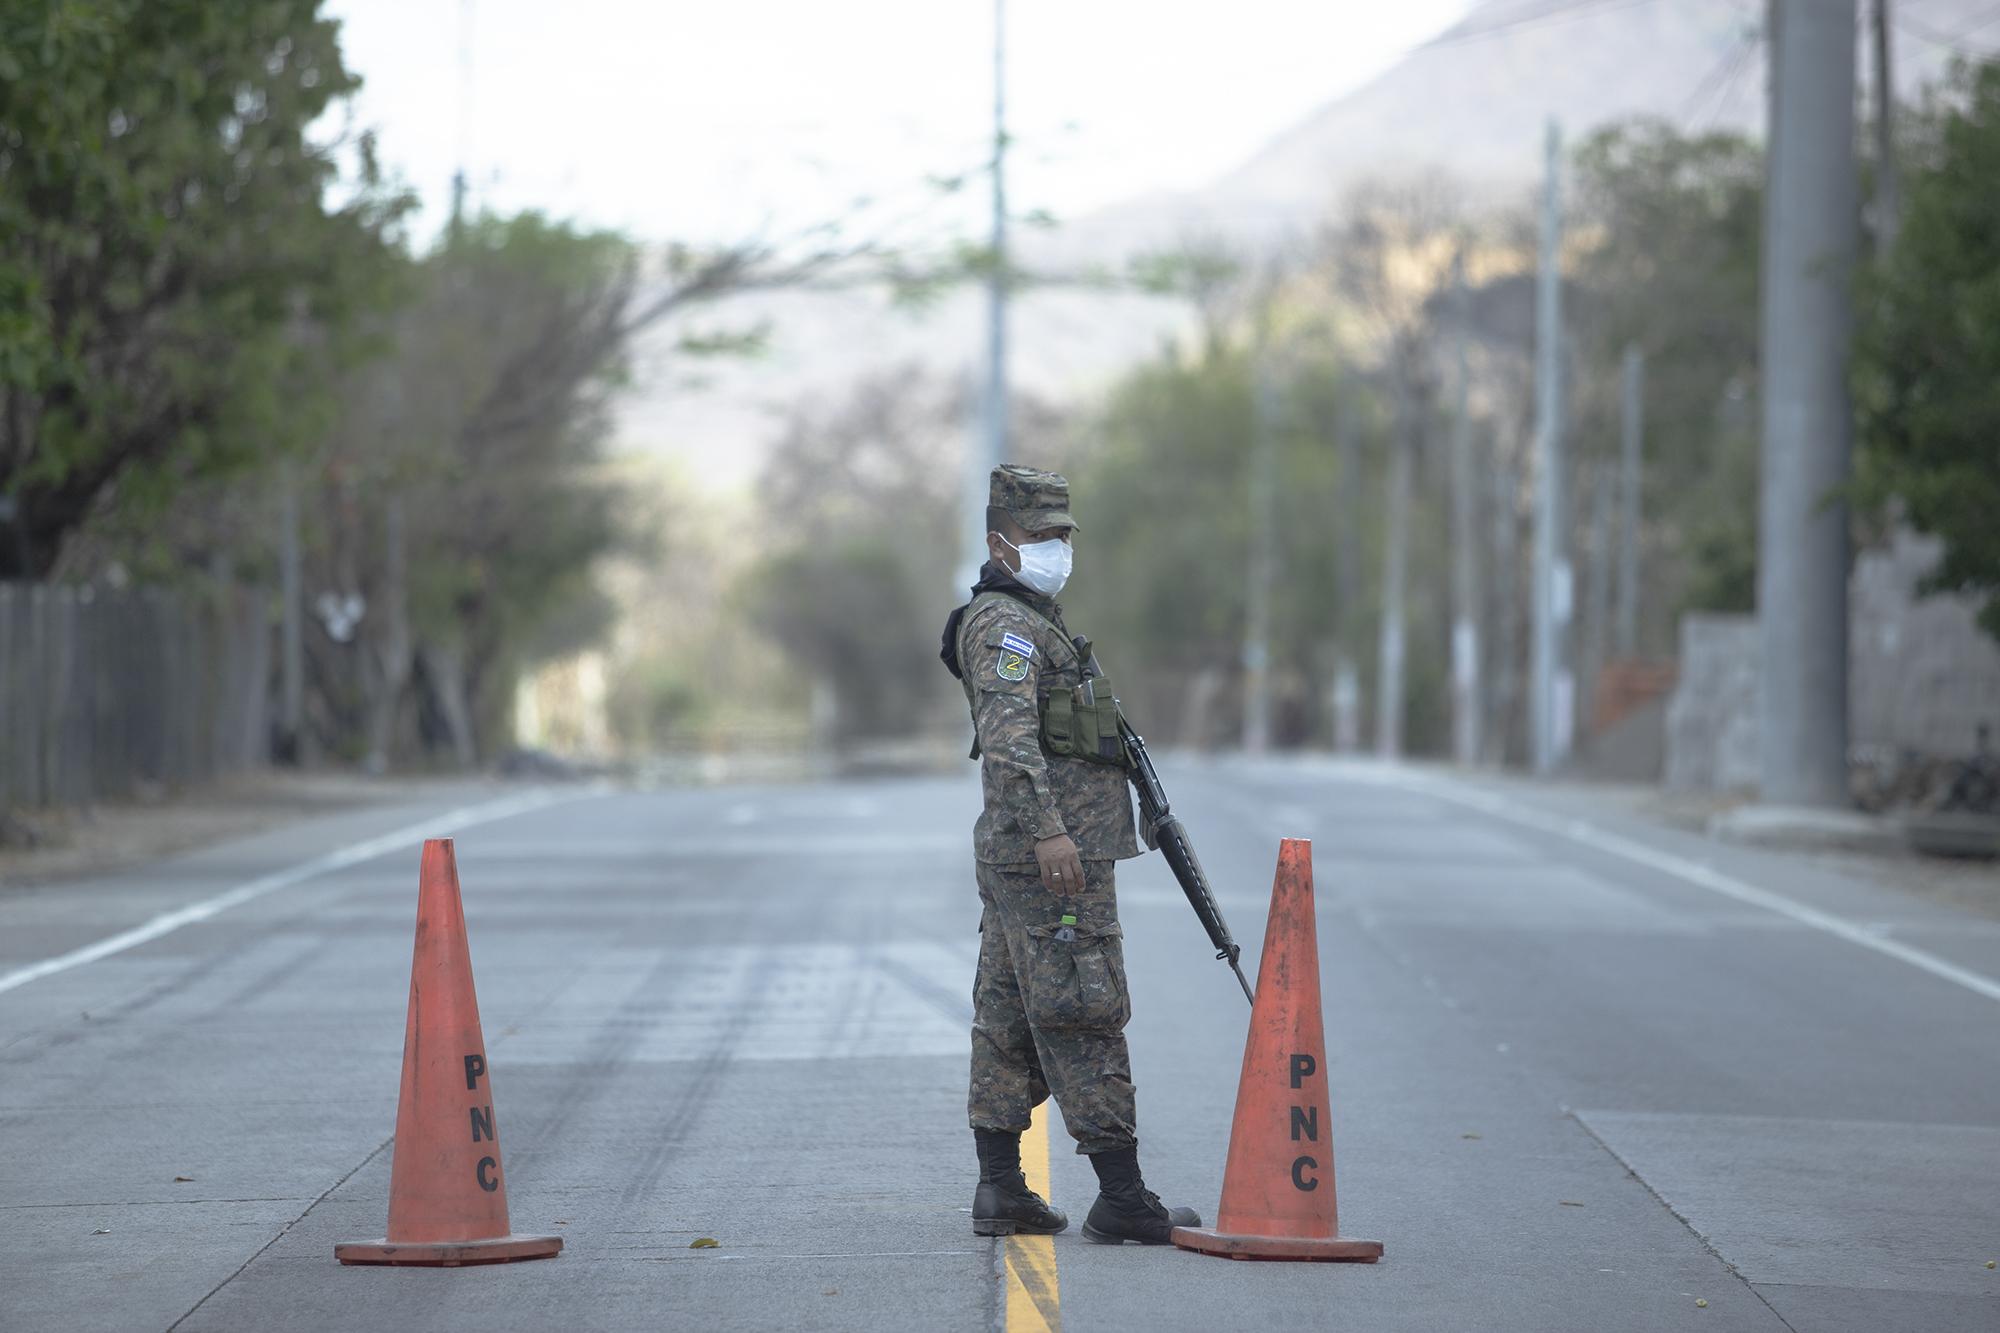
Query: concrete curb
x=1806, y=828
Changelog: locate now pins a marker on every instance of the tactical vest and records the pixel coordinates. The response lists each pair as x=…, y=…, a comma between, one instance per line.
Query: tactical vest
x=1078, y=721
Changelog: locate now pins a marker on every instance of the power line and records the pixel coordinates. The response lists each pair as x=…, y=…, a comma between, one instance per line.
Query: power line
x=458, y=181
x=1554, y=12
x=1548, y=9
x=1949, y=41
x=1721, y=78
x=1745, y=62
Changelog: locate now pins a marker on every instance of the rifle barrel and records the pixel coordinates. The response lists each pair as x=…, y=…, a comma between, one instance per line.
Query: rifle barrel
x=1170, y=836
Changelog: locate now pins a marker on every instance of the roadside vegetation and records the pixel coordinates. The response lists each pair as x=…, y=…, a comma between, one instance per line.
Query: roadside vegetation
x=223, y=338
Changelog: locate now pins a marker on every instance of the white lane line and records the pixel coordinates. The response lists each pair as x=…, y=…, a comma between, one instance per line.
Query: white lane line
x=1699, y=875
x=168, y=922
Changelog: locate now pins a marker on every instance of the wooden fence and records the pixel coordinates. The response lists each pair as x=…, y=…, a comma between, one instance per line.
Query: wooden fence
x=105, y=695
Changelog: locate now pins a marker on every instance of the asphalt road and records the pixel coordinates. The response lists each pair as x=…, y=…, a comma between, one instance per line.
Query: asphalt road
x=1585, y=1073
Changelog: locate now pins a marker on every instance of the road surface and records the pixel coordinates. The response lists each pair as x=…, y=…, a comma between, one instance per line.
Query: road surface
x=1586, y=1074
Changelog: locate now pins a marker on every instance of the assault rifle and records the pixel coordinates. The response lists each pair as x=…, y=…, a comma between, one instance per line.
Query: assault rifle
x=1165, y=831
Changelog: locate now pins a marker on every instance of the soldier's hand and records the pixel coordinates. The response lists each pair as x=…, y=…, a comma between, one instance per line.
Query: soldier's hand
x=1061, y=866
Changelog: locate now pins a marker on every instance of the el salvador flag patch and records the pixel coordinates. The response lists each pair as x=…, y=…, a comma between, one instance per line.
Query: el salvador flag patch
x=1015, y=653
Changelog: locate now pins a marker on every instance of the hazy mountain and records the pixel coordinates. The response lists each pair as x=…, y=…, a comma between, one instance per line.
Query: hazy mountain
x=1476, y=100
x=1473, y=102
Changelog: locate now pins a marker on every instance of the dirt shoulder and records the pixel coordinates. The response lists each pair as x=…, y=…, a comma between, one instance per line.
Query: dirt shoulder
x=1970, y=884
x=82, y=844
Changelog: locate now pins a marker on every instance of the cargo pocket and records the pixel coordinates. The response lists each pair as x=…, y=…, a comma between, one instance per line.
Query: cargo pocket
x=1077, y=979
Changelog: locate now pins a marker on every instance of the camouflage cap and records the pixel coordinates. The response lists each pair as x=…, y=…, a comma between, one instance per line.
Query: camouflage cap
x=1037, y=500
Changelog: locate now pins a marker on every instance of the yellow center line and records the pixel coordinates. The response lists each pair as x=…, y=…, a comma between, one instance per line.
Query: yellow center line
x=1034, y=1299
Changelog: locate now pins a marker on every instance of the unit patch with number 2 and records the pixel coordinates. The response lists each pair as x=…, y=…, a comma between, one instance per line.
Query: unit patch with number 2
x=1015, y=654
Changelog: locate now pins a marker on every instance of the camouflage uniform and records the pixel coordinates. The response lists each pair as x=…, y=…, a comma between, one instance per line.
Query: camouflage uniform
x=1049, y=1002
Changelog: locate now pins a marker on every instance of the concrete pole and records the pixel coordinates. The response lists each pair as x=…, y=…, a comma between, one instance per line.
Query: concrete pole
x=1263, y=555
x=1888, y=209
x=1506, y=604
x=1811, y=202
x=1543, y=704
x=10, y=519
x=1630, y=446
x=1597, y=590
x=989, y=449
x=291, y=699
x=465, y=20
x=1467, y=699
x=1395, y=564
x=392, y=641
x=1347, y=576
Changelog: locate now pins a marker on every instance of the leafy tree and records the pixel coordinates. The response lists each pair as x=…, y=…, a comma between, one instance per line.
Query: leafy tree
x=460, y=490
x=1150, y=586
x=853, y=615
x=1927, y=356
x=1162, y=491
x=169, y=241
x=860, y=503
x=191, y=294
x=1670, y=226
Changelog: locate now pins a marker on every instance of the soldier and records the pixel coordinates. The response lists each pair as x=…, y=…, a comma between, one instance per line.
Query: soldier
x=1049, y=1002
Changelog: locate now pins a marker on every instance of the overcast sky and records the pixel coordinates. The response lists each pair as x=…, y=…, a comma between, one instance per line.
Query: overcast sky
x=702, y=121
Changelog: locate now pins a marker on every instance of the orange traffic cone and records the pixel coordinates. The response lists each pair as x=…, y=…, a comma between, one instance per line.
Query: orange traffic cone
x=1277, y=1189
x=447, y=1197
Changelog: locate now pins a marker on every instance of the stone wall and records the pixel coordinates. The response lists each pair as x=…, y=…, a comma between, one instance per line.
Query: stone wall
x=1922, y=676
x=1712, y=713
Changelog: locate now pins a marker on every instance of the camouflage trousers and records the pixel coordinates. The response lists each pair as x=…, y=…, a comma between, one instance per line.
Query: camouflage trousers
x=1049, y=1008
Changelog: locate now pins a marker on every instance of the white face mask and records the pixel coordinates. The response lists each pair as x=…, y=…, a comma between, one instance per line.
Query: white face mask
x=1044, y=565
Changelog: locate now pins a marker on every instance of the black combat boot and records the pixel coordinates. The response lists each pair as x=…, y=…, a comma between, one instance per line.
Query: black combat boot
x=1003, y=1204
x=1126, y=1209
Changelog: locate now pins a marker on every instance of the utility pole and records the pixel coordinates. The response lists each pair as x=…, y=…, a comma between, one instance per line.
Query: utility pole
x=392, y=647
x=10, y=518
x=1347, y=574
x=291, y=699
x=1467, y=699
x=1506, y=602
x=1888, y=187
x=1630, y=445
x=1263, y=554
x=990, y=448
x=1811, y=202
x=1546, y=702
x=1395, y=564
x=1597, y=588
x=465, y=16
